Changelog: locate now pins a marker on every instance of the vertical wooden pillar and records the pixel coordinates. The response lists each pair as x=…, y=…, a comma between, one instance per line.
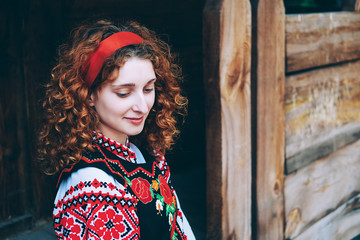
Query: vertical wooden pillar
x=357, y=6
x=227, y=50
x=270, y=73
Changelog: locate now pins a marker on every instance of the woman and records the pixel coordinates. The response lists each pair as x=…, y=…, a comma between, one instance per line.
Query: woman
x=111, y=110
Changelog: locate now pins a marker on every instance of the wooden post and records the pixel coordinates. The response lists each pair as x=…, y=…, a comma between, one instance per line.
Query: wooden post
x=357, y=6
x=270, y=118
x=227, y=30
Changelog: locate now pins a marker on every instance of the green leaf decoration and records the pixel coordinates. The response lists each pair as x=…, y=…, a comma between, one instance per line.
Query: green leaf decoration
x=167, y=210
x=161, y=198
x=152, y=193
x=128, y=181
x=174, y=237
x=172, y=208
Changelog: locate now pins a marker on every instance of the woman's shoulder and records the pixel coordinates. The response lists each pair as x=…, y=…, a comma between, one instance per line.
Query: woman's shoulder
x=88, y=179
x=87, y=174
x=87, y=200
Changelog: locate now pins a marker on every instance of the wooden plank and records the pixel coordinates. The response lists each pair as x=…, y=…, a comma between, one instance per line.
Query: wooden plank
x=322, y=112
x=227, y=32
x=336, y=139
x=342, y=223
x=316, y=190
x=38, y=50
x=270, y=118
x=314, y=40
x=357, y=5
x=15, y=190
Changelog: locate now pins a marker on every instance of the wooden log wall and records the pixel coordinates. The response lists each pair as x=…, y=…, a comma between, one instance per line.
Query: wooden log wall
x=314, y=40
x=307, y=93
x=322, y=187
x=322, y=112
x=15, y=190
x=322, y=99
x=227, y=29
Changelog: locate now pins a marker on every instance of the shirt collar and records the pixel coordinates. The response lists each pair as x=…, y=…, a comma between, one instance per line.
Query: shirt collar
x=116, y=148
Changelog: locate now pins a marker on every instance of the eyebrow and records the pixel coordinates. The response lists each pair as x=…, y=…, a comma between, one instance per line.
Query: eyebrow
x=131, y=84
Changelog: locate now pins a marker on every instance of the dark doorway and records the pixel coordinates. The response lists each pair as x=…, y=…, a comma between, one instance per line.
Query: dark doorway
x=30, y=33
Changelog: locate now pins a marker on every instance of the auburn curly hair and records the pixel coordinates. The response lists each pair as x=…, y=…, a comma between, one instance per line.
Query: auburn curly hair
x=69, y=121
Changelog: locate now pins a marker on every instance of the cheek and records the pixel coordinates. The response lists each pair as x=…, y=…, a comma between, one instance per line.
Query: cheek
x=114, y=106
x=121, y=107
x=150, y=101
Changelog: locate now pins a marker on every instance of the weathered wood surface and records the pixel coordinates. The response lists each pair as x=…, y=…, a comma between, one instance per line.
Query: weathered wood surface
x=342, y=223
x=227, y=31
x=270, y=118
x=322, y=112
x=334, y=139
x=318, y=189
x=314, y=40
x=15, y=190
x=357, y=5
x=235, y=52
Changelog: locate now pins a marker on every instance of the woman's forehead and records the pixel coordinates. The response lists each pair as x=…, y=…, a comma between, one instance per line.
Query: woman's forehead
x=135, y=70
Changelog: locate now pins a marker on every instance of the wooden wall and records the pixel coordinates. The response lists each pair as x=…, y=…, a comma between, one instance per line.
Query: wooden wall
x=305, y=122
x=16, y=124
x=30, y=32
x=322, y=100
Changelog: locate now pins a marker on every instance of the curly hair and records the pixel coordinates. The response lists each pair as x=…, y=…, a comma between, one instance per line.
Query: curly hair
x=69, y=121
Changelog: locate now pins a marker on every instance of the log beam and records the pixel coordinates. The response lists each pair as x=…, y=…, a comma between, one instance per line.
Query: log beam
x=270, y=118
x=227, y=30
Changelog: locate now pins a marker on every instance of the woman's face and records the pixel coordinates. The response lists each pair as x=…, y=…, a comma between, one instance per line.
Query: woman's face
x=124, y=104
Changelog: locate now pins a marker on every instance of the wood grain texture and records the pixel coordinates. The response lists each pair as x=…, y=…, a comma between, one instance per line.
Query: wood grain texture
x=312, y=193
x=322, y=112
x=342, y=223
x=357, y=6
x=336, y=139
x=314, y=40
x=211, y=33
x=15, y=191
x=235, y=51
x=227, y=32
x=270, y=118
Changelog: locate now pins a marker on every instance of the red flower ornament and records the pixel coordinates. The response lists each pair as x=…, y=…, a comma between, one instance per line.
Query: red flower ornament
x=165, y=191
x=71, y=230
x=141, y=188
x=109, y=225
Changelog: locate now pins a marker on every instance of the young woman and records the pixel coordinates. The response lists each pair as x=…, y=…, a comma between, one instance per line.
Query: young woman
x=111, y=110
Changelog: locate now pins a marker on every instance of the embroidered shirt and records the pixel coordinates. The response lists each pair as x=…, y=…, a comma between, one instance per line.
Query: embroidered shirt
x=114, y=193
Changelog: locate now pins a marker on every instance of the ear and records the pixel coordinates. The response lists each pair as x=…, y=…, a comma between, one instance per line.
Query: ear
x=92, y=100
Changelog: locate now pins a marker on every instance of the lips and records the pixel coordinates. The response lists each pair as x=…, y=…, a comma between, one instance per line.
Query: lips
x=135, y=121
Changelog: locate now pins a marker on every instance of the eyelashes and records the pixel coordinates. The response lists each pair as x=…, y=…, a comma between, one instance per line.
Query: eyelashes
x=122, y=95
x=128, y=93
x=148, y=90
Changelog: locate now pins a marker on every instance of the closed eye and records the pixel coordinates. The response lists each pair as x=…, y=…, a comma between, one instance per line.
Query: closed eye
x=150, y=86
x=148, y=90
x=123, y=95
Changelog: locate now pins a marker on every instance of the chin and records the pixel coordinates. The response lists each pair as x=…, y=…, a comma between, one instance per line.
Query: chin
x=135, y=132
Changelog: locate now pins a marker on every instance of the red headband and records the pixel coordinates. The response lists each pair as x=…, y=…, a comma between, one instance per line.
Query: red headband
x=107, y=47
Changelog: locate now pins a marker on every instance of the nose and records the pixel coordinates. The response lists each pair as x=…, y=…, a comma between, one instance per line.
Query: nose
x=140, y=104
